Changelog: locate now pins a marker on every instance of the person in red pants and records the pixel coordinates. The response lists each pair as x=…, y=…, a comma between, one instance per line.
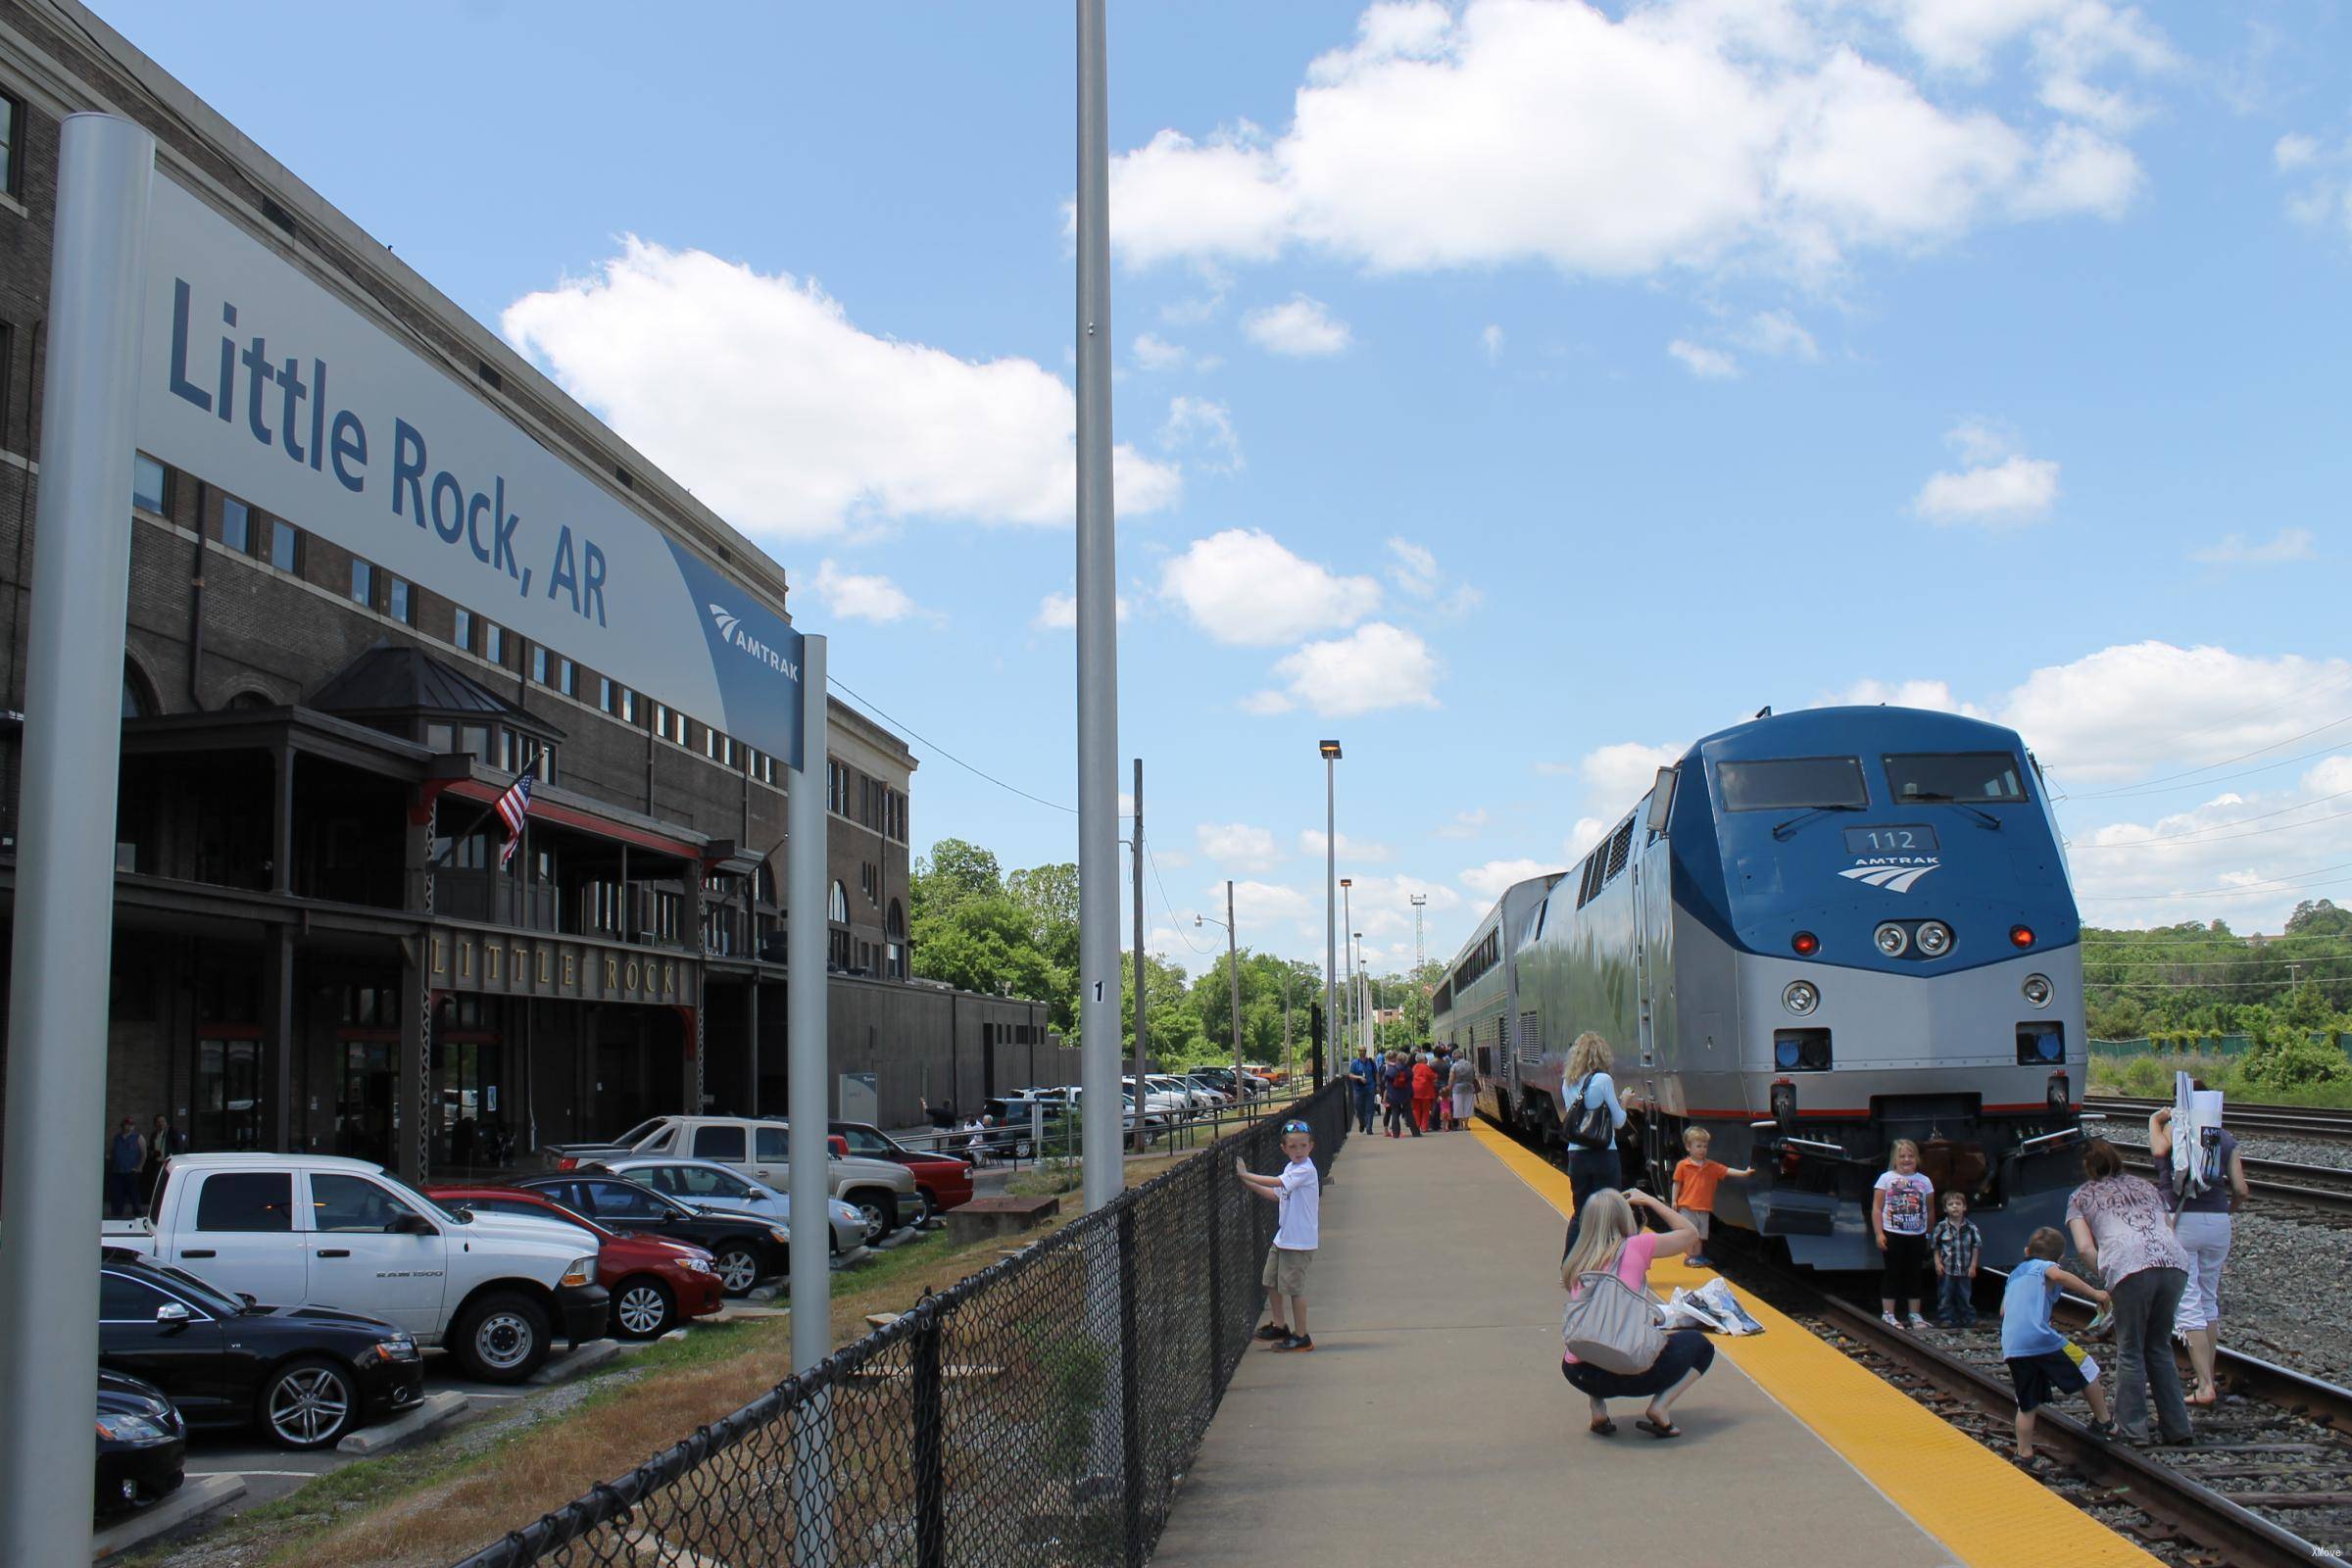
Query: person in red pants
x=1425, y=1092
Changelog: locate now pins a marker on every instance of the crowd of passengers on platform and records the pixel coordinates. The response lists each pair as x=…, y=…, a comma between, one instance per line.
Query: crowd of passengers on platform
x=2159, y=1253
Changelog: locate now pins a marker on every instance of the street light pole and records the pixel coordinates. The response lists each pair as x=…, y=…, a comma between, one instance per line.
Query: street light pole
x=1348, y=915
x=1233, y=972
x=1331, y=913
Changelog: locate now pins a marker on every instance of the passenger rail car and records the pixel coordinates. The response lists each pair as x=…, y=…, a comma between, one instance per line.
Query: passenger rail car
x=1818, y=933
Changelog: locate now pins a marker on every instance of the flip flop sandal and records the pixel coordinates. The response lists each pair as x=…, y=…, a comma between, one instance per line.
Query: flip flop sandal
x=1669, y=1430
x=1603, y=1428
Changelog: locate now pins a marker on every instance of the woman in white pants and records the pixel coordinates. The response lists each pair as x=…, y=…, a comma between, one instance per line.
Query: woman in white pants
x=2201, y=1222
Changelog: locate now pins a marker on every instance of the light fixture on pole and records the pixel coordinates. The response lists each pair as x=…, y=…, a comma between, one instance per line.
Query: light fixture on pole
x=1330, y=751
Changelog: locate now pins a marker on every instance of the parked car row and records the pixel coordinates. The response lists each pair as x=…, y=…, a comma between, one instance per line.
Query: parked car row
x=884, y=1187
x=1051, y=1116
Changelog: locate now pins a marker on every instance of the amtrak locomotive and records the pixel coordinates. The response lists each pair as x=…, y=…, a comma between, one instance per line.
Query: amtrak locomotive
x=1818, y=933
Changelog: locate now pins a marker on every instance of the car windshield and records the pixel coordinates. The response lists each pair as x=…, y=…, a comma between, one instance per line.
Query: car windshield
x=1798, y=783
x=1970, y=778
x=425, y=1204
x=211, y=1298
x=640, y=1133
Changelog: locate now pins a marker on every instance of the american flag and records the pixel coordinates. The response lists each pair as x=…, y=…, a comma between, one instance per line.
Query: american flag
x=513, y=808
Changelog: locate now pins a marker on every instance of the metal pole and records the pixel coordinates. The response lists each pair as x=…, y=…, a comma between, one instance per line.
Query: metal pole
x=1233, y=973
x=1346, y=1035
x=65, y=905
x=1141, y=1044
x=1331, y=913
x=807, y=1052
x=1098, y=639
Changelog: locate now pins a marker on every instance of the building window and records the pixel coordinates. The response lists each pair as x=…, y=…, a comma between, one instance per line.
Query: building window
x=604, y=693
x=236, y=525
x=837, y=904
x=568, y=677
x=711, y=743
x=726, y=749
x=869, y=879
x=628, y=705
x=134, y=696
x=460, y=629
x=12, y=128
x=538, y=663
x=400, y=601
x=363, y=583
x=147, y=485
x=494, y=642
x=285, y=552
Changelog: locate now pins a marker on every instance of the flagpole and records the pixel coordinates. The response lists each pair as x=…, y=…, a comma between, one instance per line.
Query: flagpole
x=451, y=843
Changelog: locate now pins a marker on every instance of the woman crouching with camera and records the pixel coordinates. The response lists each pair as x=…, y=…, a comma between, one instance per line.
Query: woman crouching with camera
x=1612, y=1240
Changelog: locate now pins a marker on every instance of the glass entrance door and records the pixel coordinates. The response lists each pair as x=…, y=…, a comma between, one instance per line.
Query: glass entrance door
x=228, y=1095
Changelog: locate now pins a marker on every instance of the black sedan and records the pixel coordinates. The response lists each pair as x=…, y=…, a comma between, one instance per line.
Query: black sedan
x=304, y=1375
x=142, y=1443
x=744, y=1248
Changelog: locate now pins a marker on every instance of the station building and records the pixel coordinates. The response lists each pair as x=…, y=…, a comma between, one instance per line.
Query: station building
x=316, y=944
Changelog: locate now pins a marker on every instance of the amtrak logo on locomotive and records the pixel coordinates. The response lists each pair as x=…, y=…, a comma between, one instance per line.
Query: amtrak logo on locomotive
x=1897, y=873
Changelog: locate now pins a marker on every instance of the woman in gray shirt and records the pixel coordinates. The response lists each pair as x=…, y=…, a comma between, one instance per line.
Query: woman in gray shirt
x=2201, y=1223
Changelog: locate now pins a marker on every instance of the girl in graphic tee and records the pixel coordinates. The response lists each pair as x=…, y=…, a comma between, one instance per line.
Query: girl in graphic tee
x=1901, y=1206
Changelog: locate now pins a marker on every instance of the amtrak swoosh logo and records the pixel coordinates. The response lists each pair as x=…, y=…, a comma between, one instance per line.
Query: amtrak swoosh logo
x=1894, y=878
x=726, y=622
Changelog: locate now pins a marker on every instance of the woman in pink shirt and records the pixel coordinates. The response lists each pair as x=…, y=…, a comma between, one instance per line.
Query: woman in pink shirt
x=1610, y=1237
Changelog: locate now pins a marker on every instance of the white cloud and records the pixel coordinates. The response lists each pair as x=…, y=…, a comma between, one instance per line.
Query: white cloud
x=1586, y=833
x=2143, y=709
x=1170, y=860
x=1302, y=327
x=1259, y=905
x=1778, y=333
x=758, y=393
x=1243, y=587
x=1622, y=773
x=2289, y=544
x=1688, y=133
x=2324, y=200
x=1466, y=824
x=1414, y=569
x=1358, y=851
x=1490, y=343
x=851, y=596
x=1493, y=877
x=1205, y=427
x=2294, y=151
x=1373, y=668
x=1154, y=353
x=1708, y=365
x=1935, y=695
x=1238, y=846
x=1059, y=611
x=2001, y=487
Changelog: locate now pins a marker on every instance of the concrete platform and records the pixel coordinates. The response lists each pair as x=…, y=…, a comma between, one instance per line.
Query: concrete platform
x=1432, y=1421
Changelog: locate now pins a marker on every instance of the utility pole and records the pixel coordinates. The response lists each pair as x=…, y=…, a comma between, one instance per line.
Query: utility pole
x=1233, y=972
x=1098, y=649
x=1141, y=1045
x=1290, y=1068
x=1348, y=917
x=1330, y=751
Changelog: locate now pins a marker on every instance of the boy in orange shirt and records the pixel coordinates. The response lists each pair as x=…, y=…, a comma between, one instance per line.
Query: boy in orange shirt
x=1694, y=1182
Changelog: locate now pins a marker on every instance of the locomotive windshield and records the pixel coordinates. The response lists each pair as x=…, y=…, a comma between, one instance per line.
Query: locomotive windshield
x=1968, y=777
x=1816, y=783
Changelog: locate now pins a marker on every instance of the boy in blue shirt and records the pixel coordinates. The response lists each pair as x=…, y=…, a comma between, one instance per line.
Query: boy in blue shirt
x=2042, y=1364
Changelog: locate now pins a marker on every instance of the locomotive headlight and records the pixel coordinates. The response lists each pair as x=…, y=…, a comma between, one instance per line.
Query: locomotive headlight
x=2037, y=990
x=1892, y=939
x=1801, y=996
x=1935, y=939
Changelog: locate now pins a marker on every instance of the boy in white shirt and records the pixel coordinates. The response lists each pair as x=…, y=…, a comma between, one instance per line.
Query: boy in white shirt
x=1299, y=1191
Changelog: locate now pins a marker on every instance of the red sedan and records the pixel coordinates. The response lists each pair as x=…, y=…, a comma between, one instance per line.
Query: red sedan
x=655, y=1284
x=942, y=1181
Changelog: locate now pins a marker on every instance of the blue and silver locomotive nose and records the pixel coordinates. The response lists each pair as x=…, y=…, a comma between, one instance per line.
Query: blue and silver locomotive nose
x=1821, y=933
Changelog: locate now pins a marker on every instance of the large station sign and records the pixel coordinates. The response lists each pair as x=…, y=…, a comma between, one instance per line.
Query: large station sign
x=259, y=380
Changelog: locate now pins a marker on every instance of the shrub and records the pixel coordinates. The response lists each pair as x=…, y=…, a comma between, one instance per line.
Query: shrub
x=2292, y=1062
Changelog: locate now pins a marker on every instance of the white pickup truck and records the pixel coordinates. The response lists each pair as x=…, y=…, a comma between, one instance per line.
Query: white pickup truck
x=310, y=1230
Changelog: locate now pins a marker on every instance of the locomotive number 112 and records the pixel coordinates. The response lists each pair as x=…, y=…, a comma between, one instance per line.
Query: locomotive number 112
x=1912, y=840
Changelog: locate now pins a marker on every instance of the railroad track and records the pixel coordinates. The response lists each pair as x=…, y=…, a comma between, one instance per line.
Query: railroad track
x=2294, y=1121
x=2268, y=1484
x=2325, y=1188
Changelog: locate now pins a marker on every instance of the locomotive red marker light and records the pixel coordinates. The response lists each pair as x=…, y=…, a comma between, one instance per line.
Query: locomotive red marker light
x=2021, y=936
x=1807, y=944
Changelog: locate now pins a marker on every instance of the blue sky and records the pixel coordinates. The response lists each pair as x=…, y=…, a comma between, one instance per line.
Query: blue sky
x=1515, y=390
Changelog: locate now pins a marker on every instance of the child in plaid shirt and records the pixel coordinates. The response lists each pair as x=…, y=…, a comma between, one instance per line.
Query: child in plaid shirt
x=1958, y=1248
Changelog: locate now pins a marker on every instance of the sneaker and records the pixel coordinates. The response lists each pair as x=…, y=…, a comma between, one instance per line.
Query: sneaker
x=1274, y=1330
x=1296, y=1342
x=1891, y=1320
x=2104, y=1430
x=1919, y=1325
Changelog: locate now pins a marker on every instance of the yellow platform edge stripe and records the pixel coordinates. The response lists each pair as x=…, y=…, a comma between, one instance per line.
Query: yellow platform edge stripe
x=1976, y=1504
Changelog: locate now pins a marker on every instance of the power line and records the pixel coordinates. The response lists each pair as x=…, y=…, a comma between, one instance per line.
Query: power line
x=977, y=772
x=2164, y=783
x=2197, y=833
x=2288, y=884
x=2297, y=695
x=1167, y=903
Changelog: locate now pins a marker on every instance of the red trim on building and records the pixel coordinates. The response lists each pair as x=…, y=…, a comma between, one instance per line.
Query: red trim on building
x=544, y=811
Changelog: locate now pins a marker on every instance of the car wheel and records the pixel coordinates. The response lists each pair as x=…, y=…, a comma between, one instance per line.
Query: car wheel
x=881, y=1213
x=737, y=1267
x=929, y=1205
x=501, y=1339
x=308, y=1404
x=641, y=1308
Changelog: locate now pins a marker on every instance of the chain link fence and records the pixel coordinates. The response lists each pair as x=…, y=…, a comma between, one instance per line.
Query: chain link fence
x=1039, y=1412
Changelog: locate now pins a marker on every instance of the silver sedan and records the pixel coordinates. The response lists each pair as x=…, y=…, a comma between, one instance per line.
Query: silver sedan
x=707, y=1185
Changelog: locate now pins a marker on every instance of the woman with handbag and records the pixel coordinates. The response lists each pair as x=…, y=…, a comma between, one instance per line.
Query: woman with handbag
x=1613, y=1318
x=1595, y=1112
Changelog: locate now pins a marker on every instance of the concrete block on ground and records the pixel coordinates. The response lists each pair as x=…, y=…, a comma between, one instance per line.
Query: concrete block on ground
x=197, y=1497
x=432, y=1411
x=744, y=1312
x=576, y=1360
x=763, y=1293
x=984, y=1218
